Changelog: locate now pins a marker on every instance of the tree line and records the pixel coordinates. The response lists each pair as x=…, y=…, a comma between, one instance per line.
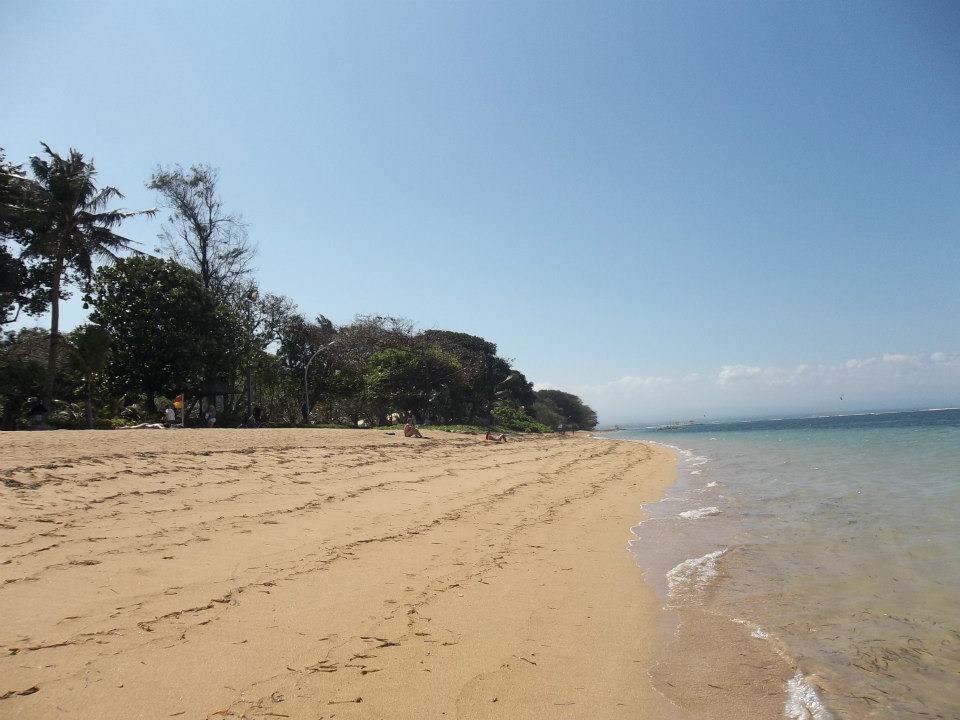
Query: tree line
x=194, y=321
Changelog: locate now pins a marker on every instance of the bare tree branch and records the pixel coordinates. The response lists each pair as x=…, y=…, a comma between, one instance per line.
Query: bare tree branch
x=199, y=233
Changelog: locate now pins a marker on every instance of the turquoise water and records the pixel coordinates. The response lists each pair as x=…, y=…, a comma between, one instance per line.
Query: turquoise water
x=836, y=538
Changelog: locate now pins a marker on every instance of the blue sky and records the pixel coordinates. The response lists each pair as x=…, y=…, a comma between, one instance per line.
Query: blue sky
x=632, y=199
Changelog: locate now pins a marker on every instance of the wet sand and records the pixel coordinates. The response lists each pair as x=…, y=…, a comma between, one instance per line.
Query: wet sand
x=324, y=574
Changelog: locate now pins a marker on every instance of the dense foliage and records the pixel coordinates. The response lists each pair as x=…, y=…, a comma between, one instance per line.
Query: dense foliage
x=22, y=362
x=570, y=409
x=196, y=323
x=167, y=333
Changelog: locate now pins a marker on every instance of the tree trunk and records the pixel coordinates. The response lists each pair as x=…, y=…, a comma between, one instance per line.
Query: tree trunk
x=54, y=339
x=89, y=405
x=187, y=412
x=204, y=264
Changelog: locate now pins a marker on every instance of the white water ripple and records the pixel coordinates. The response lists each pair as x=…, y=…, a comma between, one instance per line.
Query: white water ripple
x=701, y=513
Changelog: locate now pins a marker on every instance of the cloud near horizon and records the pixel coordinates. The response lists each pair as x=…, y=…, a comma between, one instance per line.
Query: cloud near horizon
x=890, y=380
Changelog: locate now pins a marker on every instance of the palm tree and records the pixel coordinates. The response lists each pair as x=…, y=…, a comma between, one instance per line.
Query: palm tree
x=71, y=228
x=89, y=350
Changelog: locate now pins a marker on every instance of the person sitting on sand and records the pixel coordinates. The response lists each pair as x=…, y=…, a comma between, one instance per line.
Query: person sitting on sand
x=496, y=437
x=211, y=416
x=410, y=430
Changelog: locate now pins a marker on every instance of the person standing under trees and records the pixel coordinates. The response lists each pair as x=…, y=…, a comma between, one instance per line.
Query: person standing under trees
x=256, y=417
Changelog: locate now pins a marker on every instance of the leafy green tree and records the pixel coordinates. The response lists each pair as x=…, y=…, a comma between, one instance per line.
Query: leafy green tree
x=416, y=381
x=167, y=333
x=69, y=228
x=13, y=285
x=278, y=392
x=13, y=271
x=300, y=340
x=546, y=411
x=367, y=335
x=572, y=408
x=22, y=357
x=482, y=371
x=264, y=315
x=89, y=352
x=23, y=286
x=516, y=389
x=338, y=374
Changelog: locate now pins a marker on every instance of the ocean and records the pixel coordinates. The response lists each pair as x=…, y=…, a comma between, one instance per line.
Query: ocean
x=833, y=543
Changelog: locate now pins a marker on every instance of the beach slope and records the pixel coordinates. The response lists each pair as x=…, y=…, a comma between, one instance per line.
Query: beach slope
x=321, y=574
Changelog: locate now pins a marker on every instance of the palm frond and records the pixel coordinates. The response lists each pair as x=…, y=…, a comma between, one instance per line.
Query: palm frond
x=102, y=197
x=40, y=168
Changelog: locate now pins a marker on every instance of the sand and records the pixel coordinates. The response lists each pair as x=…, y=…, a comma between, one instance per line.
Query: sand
x=324, y=574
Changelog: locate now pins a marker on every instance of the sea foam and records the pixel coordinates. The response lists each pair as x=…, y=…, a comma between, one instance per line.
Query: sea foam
x=701, y=513
x=803, y=703
x=692, y=575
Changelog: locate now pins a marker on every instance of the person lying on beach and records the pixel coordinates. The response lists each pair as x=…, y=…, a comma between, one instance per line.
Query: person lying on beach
x=495, y=437
x=145, y=426
x=410, y=430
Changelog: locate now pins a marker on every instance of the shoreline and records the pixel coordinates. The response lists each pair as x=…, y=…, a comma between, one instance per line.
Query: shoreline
x=711, y=665
x=320, y=572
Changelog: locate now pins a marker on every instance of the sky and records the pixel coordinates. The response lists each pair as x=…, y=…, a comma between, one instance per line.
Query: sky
x=675, y=209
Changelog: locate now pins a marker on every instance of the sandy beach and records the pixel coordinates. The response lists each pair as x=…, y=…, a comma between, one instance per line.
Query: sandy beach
x=324, y=574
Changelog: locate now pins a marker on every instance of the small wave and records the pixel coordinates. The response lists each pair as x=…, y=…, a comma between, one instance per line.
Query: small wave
x=701, y=513
x=692, y=575
x=696, y=472
x=803, y=702
x=712, y=483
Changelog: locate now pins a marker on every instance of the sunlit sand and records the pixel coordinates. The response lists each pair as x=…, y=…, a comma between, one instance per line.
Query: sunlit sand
x=321, y=574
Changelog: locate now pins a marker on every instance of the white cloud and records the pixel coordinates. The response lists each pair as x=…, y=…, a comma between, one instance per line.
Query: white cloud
x=631, y=381
x=899, y=359
x=733, y=373
x=883, y=381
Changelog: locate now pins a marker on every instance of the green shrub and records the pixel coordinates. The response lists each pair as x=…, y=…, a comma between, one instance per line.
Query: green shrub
x=67, y=416
x=517, y=420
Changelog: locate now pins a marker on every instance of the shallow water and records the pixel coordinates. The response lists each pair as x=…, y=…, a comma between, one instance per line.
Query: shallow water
x=833, y=539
